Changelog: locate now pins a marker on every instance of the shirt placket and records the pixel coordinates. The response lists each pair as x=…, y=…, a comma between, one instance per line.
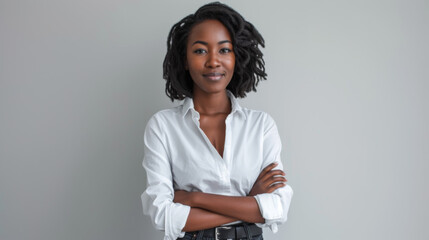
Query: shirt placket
x=221, y=163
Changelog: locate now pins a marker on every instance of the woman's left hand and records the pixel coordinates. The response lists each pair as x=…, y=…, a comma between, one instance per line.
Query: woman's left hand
x=268, y=180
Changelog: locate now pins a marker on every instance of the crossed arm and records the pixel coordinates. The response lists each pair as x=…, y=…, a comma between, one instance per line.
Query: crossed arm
x=211, y=210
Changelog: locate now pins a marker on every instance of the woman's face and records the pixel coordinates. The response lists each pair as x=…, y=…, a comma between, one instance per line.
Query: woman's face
x=210, y=56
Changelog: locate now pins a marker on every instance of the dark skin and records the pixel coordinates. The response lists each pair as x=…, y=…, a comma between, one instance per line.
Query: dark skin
x=211, y=210
x=210, y=61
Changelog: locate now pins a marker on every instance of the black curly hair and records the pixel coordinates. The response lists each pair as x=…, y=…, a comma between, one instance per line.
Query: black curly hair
x=249, y=64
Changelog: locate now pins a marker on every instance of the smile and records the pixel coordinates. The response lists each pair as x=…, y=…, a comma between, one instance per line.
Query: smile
x=214, y=76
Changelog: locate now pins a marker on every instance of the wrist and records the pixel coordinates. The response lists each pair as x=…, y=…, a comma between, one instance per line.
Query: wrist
x=195, y=199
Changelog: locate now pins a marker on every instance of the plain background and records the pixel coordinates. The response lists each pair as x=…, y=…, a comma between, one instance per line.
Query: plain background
x=347, y=85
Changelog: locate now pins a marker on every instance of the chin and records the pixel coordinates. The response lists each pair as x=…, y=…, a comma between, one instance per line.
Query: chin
x=214, y=91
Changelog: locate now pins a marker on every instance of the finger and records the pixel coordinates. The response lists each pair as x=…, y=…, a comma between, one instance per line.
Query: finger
x=275, y=187
x=278, y=179
x=267, y=169
x=270, y=167
x=274, y=180
x=273, y=173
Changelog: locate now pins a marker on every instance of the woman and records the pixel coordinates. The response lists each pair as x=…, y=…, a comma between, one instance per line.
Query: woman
x=213, y=167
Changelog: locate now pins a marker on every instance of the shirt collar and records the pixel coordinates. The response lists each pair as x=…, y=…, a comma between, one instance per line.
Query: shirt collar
x=188, y=104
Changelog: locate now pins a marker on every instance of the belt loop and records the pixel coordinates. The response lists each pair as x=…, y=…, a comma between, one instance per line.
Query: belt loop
x=200, y=235
x=247, y=230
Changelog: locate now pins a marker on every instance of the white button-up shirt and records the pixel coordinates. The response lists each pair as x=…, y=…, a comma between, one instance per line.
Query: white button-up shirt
x=179, y=156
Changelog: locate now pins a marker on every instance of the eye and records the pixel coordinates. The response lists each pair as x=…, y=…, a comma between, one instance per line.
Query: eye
x=200, y=51
x=225, y=50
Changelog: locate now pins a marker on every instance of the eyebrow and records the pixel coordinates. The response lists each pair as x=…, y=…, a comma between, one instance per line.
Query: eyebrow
x=205, y=43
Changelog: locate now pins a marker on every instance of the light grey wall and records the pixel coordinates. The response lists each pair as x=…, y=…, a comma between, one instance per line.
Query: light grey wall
x=348, y=83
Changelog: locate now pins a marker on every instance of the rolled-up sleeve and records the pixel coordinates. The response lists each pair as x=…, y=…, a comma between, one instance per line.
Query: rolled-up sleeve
x=157, y=199
x=274, y=206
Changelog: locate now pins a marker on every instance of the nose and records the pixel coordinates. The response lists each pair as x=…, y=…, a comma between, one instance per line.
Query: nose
x=212, y=60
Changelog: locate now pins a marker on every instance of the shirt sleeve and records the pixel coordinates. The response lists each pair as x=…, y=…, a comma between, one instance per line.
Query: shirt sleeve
x=157, y=199
x=274, y=206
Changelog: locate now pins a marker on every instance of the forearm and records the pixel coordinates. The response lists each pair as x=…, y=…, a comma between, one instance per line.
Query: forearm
x=199, y=219
x=243, y=208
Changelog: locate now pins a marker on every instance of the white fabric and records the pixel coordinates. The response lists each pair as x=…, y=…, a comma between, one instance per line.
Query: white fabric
x=178, y=155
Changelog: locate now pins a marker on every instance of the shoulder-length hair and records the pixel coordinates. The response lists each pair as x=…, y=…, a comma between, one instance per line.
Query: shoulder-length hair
x=249, y=64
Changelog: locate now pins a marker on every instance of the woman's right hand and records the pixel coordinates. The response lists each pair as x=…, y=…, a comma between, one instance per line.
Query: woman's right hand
x=268, y=180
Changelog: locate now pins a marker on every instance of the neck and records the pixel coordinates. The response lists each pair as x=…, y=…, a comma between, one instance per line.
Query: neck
x=213, y=103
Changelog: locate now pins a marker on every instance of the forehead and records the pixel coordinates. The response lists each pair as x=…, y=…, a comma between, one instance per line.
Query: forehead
x=209, y=31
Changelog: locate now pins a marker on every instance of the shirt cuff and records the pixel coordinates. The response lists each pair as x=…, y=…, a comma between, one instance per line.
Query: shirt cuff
x=271, y=209
x=274, y=207
x=175, y=220
x=270, y=206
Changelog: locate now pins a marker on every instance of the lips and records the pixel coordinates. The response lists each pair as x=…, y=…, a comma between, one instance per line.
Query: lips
x=214, y=76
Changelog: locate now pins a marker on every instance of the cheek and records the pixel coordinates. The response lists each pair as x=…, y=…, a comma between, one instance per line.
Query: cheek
x=193, y=64
x=231, y=63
